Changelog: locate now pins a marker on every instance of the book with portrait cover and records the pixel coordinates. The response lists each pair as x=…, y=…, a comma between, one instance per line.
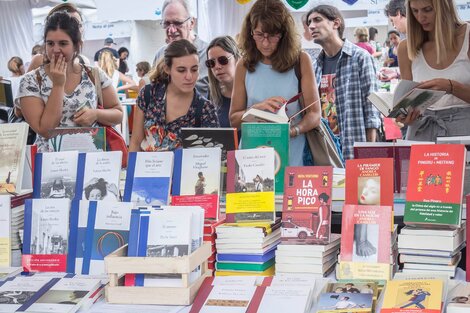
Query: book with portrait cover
x=13, y=139
x=306, y=210
x=250, y=185
x=417, y=296
x=365, y=242
x=196, y=179
x=148, y=178
x=344, y=302
x=370, y=182
x=98, y=176
x=45, y=239
x=275, y=135
x=435, y=181
x=55, y=175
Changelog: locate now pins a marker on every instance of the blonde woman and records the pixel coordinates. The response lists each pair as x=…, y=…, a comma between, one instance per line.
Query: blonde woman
x=362, y=39
x=109, y=64
x=437, y=53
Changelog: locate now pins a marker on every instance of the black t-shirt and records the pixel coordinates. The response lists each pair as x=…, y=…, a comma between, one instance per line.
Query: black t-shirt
x=113, y=51
x=329, y=63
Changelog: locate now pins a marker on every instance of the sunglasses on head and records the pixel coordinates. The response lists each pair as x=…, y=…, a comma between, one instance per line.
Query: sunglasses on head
x=223, y=60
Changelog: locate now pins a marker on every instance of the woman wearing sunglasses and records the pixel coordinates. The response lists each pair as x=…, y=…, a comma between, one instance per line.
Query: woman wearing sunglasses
x=266, y=76
x=171, y=101
x=222, y=57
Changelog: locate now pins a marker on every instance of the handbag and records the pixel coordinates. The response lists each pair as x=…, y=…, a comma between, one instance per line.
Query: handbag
x=323, y=146
x=114, y=140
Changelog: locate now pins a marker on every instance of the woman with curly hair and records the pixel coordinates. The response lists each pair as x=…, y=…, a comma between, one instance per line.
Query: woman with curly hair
x=266, y=75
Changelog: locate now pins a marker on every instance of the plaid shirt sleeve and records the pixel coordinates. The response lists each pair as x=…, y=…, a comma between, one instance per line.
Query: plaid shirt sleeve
x=369, y=84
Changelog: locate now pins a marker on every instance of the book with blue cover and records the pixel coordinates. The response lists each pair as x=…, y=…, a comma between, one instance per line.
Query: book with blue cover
x=235, y=257
x=148, y=178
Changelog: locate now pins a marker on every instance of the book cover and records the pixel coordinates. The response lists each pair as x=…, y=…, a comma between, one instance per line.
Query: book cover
x=280, y=299
x=220, y=298
x=19, y=291
x=55, y=175
x=196, y=179
x=328, y=99
x=6, y=93
x=82, y=139
x=459, y=299
x=250, y=185
x=369, y=287
x=467, y=237
x=365, y=241
x=306, y=210
x=107, y=230
x=436, y=185
x=148, y=178
x=13, y=137
x=45, y=242
x=77, y=232
x=253, y=115
x=261, y=135
x=344, y=302
x=5, y=231
x=420, y=296
x=98, y=176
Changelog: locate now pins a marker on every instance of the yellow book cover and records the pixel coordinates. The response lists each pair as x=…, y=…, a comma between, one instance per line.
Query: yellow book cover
x=5, y=231
x=417, y=296
x=363, y=270
x=268, y=272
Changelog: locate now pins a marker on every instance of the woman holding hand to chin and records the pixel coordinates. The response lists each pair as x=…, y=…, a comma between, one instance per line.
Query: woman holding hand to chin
x=51, y=95
x=265, y=77
x=437, y=53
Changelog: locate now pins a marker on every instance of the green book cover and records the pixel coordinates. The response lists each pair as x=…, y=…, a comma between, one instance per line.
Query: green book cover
x=239, y=266
x=82, y=139
x=276, y=135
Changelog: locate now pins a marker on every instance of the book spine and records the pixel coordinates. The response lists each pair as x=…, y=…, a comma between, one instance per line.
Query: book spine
x=38, y=294
x=73, y=234
x=202, y=295
x=177, y=169
x=230, y=171
x=129, y=279
x=80, y=176
x=467, y=256
x=89, y=237
x=28, y=216
x=142, y=249
x=256, y=300
x=130, y=176
x=37, y=176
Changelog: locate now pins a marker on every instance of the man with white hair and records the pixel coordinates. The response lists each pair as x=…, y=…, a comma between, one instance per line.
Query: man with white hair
x=179, y=24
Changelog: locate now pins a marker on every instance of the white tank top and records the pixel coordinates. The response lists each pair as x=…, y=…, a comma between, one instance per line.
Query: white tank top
x=459, y=71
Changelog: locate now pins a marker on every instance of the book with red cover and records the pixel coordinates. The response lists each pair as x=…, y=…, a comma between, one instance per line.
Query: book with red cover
x=365, y=242
x=435, y=181
x=467, y=260
x=306, y=212
x=369, y=182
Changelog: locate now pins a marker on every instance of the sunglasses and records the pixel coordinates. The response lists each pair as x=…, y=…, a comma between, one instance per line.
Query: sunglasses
x=223, y=60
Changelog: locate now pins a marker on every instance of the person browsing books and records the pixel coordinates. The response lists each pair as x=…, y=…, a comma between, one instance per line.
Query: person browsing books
x=171, y=101
x=437, y=54
x=50, y=96
x=222, y=57
x=265, y=77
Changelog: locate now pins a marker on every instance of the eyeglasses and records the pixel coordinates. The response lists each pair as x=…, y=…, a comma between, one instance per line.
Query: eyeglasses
x=259, y=36
x=177, y=24
x=223, y=60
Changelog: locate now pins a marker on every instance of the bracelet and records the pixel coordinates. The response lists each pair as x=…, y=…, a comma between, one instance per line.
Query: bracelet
x=451, y=87
x=297, y=130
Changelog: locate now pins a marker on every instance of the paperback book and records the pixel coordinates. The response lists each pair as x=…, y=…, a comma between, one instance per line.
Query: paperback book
x=82, y=139
x=436, y=176
x=148, y=178
x=5, y=231
x=20, y=291
x=253, y=115
x=306, y=214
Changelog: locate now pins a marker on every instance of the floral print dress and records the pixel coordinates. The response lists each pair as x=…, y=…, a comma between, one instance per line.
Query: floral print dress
x=163, y=136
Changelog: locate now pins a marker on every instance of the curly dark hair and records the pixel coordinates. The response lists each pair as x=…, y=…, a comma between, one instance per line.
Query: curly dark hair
x=395, y=6
x=100, y=185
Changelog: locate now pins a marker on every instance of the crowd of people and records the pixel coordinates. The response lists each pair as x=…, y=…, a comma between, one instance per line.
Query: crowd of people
x=195, y=84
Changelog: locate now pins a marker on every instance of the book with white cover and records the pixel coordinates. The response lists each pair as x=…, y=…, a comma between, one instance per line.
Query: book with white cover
x=8, y=272
x=5, y=231
x=430, y=259
x=293, y=259
x=434, y=242
x=253, y=115
x=65, y=296
x=46, y=228
x=98, y=175
x=310, y=250
x=236, y=299
x=459, y=299
x=426, y=231
x=148, y=178
x=281, y=299
x=55, y=175
x=18, y=292
x=13, y=138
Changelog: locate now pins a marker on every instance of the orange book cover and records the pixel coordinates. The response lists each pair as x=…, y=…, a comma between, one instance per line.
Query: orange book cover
x=435, y=184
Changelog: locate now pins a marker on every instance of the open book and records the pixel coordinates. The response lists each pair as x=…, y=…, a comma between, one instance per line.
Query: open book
x=406, y=96
x=253, y=115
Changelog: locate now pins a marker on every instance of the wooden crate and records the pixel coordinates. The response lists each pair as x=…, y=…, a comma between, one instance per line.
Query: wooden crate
x=118, y=264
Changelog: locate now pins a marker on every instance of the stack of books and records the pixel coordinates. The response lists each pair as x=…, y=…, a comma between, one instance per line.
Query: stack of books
x=209, y=236
x=247, y=248
x=319, y=260
x=394, y=251
x=434, y=234
x=431, y=250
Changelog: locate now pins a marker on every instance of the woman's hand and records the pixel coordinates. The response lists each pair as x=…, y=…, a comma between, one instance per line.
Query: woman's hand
x=437, y=84
x=409, y=118
x=272, y=104
x=57, y=70
x=86, y=117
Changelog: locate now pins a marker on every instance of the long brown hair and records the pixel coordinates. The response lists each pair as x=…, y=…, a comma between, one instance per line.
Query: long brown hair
x=275, y=18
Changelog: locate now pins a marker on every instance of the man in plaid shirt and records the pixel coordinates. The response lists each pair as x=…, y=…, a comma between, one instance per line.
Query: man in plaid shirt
x=347, y=76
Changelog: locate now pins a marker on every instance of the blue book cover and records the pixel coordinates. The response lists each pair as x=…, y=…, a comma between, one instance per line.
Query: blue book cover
x=55, y=175
x=231, y=257
x=148, y=178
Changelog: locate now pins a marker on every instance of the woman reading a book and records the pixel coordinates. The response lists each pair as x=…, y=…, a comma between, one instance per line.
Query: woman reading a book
x=171, y=101
x=437, y=54
x=222, y=57
x=51, y=95
x=267, y=76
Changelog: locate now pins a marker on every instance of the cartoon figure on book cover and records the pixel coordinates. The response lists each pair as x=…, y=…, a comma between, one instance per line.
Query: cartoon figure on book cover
x=322, y=231
x=417, y=296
